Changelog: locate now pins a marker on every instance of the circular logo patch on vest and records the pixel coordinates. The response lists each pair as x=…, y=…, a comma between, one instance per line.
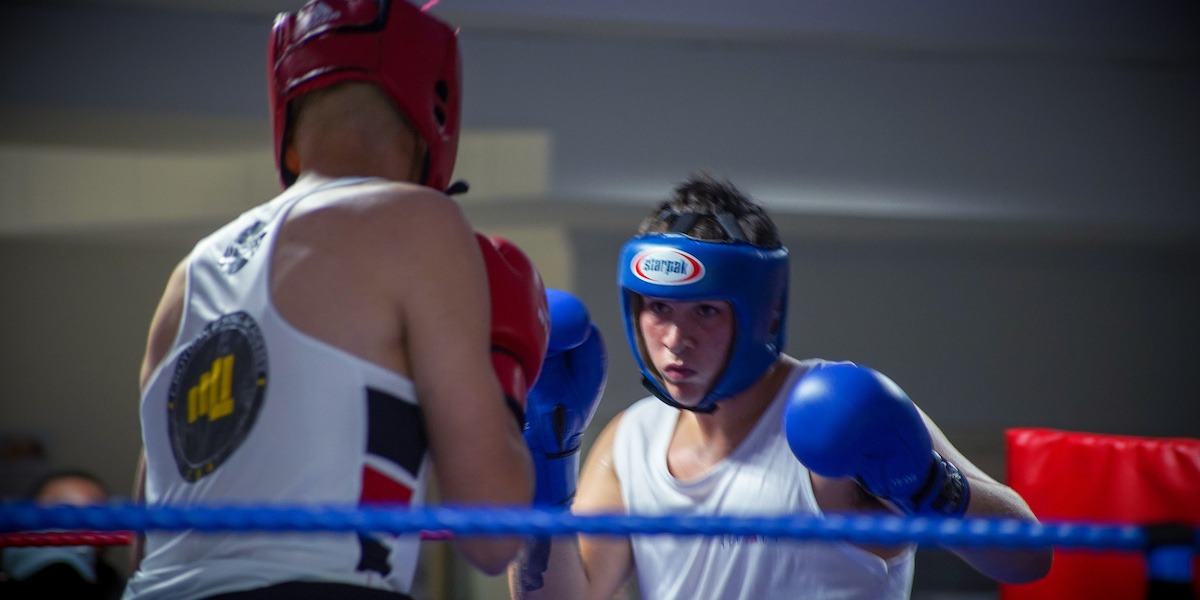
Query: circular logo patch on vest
x=216, y=394
x=663, y=265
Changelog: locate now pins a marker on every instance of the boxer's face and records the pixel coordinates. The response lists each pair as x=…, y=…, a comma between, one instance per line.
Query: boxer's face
x=687, y=343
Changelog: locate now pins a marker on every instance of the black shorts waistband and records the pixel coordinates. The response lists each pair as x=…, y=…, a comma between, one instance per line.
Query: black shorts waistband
x=312, y=590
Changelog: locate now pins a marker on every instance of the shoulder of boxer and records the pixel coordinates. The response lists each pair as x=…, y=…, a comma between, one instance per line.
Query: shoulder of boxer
x=380, y=217
x=409, y=243
x=164, y=326
x=599, y=488
x=407, y=202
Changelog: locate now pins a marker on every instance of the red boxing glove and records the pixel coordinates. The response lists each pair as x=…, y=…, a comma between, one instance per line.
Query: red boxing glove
x=520, y=319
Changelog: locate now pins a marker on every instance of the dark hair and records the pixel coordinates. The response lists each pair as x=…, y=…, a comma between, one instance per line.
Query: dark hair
x=708, y=199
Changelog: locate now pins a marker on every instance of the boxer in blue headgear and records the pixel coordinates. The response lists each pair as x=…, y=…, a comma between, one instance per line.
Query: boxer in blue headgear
x=704, y=290
x=675, y=264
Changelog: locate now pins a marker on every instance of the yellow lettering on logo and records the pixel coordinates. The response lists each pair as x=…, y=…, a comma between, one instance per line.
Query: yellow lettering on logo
x=212, y=396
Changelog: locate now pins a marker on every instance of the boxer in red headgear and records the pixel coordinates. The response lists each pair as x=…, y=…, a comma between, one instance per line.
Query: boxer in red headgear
x=334, y=344
x=408, y=54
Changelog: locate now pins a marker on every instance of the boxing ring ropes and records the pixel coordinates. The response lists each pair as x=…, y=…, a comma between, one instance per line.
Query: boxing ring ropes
x=1169, y=548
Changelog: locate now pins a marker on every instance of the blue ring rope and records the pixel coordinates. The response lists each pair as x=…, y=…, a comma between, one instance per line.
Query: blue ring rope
x=877, y=529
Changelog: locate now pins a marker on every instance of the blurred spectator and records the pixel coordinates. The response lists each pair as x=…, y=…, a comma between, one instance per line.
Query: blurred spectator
x=61, y=571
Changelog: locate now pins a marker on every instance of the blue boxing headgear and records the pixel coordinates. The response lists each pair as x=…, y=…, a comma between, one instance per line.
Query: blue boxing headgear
x=753, y=279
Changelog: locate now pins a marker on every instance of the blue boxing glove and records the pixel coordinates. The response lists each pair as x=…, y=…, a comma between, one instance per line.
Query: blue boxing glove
x=563, y=399
x=843, y=420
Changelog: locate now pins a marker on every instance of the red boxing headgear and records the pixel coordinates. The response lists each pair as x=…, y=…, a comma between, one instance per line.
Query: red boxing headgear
x=410, y=55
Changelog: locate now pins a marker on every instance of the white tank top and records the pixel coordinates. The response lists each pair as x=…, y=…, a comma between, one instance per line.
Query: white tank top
x=245, y=409
x=760, y=477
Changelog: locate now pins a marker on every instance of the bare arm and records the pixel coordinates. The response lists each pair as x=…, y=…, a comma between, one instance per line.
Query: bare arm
x=479, y=454
x=137, y=546
x=990, y=498
x=165, y=324
x=163, y=328
x=586, y=567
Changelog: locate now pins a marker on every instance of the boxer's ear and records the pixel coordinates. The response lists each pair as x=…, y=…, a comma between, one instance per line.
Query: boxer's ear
x=291, y=159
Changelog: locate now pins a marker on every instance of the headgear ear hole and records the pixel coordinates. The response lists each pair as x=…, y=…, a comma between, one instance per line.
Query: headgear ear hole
x=777, y=317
